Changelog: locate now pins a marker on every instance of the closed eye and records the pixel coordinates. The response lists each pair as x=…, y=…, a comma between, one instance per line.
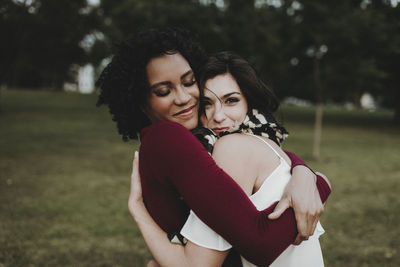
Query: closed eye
x=162, y=91
x=162, y=94
x=188, y=84
x=188, y=79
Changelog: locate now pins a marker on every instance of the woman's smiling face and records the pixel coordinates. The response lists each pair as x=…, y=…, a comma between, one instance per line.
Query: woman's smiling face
x=224, y=103
x=174, y=94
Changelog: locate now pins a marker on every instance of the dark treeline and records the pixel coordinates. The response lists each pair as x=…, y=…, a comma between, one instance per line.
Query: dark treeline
x=323, y=51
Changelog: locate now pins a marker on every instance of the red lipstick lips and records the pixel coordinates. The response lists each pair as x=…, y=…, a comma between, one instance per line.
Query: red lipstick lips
x=220, y=130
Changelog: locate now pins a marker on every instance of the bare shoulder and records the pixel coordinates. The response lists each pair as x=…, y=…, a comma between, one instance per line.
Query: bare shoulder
x=234, y=150
x=234, y=143
x=241, y=146
x=235, y=154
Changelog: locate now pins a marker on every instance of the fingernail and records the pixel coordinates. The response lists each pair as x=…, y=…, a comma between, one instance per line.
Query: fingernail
x=136, y=154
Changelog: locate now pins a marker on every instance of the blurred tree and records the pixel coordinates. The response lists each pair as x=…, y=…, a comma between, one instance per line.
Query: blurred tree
x=317, y=50
x=255, y=31
x=339, y=48
x=43, y=38
x=125, y=17
x=313, y=21
x=239, y=27
x=388, y=58
x=372, y=61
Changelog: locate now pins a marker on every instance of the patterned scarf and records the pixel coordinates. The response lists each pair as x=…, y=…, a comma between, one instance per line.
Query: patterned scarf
x=255, y=123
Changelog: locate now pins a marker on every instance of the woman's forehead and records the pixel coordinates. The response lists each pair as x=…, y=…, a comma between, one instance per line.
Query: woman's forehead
x=221, y=85
x=166, y=68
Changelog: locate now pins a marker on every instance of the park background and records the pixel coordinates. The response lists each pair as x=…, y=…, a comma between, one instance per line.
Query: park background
x=65, y=171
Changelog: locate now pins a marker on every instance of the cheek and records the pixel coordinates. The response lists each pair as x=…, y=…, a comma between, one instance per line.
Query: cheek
x=239, y=113
x=245, y=109
x=159, y=107
x=194, y=92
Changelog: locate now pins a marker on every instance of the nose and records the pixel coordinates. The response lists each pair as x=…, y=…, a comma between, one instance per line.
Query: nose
x=219, y=115
x=182, y=97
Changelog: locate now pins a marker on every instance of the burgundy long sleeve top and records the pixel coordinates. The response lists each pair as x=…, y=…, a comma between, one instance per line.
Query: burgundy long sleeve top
x=178, y=173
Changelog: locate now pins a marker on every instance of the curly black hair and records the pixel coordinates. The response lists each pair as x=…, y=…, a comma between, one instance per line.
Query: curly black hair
x=123, y=84
x=258, y=95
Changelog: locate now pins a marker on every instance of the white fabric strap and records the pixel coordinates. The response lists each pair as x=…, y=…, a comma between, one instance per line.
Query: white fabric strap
x=262, y=139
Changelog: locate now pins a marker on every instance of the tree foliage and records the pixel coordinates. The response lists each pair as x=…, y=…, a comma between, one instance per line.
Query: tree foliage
x=355, y=43
x=42, y=40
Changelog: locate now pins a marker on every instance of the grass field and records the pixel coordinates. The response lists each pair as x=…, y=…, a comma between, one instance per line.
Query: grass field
x=64, y=180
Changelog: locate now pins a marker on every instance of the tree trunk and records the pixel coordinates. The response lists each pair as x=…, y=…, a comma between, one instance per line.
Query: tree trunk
x=318, y=111
x=317, y=130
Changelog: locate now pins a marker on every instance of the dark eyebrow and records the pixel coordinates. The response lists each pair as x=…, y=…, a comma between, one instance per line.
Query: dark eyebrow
x=229, y=94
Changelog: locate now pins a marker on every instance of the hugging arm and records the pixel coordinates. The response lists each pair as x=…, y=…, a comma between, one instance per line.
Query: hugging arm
x=303, y=196
x=172, y=152
x=165, y=252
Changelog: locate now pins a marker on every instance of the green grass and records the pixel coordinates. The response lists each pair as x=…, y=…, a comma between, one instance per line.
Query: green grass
x=64, y=181
x=361, y=155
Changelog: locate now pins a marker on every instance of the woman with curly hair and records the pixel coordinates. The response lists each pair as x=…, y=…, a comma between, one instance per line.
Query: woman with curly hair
x=237, y=107
x=150, y=87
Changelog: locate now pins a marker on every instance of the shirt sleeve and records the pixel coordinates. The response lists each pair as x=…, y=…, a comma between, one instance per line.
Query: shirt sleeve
x=181, y=162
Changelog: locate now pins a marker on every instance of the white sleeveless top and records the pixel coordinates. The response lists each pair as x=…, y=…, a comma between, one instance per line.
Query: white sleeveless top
x=308, y=253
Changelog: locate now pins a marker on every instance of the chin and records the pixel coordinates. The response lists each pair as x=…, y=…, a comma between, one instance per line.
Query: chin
x=190, y=124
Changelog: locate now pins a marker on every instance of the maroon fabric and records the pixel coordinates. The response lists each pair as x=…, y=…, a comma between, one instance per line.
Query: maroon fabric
x=178, y=173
